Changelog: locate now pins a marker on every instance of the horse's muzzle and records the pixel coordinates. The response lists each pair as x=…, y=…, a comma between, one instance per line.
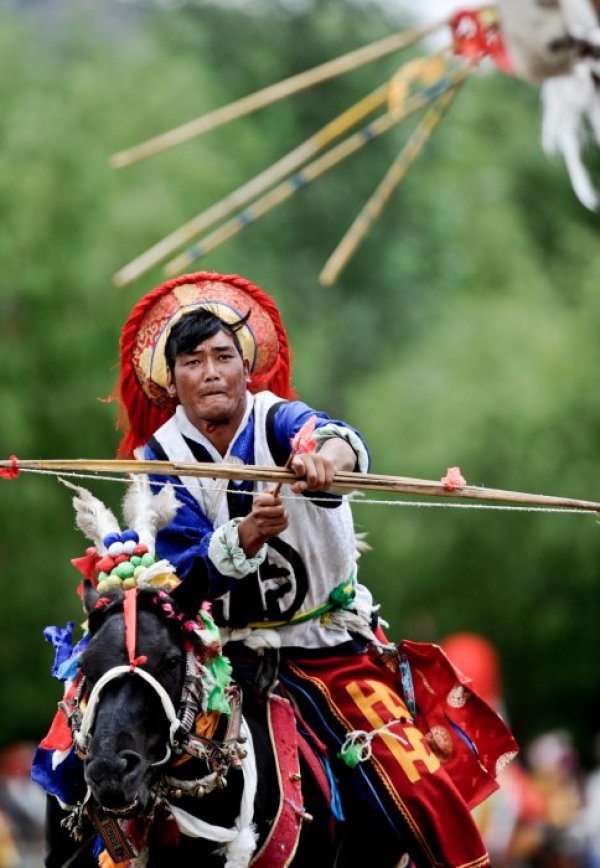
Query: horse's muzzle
x=119, y=783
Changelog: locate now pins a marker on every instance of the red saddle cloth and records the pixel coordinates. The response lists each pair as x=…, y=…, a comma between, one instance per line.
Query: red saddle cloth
x=470, y=738
x=429, y=769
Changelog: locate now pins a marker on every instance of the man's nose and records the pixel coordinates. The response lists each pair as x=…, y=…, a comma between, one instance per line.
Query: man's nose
x=210, y=370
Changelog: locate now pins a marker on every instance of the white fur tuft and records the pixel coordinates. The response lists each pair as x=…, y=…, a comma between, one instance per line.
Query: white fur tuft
x=92, y=517
x=146, y=512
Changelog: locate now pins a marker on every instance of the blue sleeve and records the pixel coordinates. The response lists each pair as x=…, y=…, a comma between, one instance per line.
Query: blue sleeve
x=291, y=416
x=187, y=537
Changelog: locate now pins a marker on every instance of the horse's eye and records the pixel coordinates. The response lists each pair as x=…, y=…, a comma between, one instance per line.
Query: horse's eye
x=171, y=662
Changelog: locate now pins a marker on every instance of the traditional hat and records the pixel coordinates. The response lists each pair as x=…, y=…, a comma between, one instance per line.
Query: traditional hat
x=142, y=387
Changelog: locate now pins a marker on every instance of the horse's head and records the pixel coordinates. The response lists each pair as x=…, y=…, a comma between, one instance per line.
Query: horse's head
x=134, y=668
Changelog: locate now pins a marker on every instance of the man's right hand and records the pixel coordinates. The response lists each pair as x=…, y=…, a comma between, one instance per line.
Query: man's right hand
x=268, y=518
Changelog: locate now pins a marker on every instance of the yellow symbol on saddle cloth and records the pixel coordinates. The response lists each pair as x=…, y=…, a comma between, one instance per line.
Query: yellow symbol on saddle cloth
x=410, y=748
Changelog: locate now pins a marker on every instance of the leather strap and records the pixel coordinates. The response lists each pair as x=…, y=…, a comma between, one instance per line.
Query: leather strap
x=115, y=840
x=281, y=843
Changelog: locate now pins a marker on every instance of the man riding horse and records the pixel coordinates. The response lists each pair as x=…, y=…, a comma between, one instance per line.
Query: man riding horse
x=205, y=377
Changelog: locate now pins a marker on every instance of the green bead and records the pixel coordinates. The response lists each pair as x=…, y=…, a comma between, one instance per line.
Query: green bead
x=147, y=560
x=135, y=560
x=124, y=570
x=102, y=577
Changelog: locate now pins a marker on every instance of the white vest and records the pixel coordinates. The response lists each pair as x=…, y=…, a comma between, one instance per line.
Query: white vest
x=304, y=564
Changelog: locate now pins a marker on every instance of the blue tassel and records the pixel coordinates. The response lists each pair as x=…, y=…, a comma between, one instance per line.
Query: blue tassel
x=61, y=639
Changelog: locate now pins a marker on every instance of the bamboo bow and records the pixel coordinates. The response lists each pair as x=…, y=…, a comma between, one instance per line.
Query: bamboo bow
x=343, y=480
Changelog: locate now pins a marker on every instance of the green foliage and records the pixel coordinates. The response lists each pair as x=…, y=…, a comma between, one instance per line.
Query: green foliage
x=463, y=332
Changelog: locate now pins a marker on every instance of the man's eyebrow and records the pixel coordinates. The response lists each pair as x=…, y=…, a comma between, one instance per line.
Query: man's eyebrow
x=213, y=349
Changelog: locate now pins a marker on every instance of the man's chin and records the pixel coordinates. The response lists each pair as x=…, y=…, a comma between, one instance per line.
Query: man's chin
x=218, y=421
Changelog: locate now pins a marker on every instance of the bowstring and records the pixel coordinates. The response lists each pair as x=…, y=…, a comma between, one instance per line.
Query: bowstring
x=355, y=498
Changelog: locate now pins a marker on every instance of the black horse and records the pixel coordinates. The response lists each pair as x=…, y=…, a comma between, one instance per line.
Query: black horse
x=142, y=766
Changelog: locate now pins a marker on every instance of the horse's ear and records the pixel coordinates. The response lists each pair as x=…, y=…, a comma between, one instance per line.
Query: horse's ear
x=90, y=596
x=193, y=590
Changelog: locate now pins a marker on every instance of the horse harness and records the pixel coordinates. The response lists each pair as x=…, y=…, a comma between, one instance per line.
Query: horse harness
x=221, y=755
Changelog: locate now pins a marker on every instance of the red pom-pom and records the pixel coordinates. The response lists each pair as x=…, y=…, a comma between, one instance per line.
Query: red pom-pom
x=453, y=479
x=105, y=564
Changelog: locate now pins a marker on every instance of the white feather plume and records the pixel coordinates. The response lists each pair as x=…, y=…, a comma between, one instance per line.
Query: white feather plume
x=147, y=513
x=571, y=116
x=92, y=517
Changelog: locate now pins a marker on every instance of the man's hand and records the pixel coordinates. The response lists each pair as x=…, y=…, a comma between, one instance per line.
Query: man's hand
x=317, y=469
x=268, y=518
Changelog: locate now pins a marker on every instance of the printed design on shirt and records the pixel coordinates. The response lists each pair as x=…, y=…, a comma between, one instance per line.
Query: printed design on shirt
x=274, y=593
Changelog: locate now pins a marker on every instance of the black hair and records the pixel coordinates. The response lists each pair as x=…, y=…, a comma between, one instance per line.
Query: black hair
x=195, y=327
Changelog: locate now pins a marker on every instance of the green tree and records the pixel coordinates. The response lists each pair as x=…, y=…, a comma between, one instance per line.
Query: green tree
x=463, y=331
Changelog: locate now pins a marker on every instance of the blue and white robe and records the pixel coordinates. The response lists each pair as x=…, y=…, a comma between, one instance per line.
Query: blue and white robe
x=295, y=571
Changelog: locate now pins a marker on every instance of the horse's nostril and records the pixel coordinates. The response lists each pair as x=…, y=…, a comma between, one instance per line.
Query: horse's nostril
x=132, y=762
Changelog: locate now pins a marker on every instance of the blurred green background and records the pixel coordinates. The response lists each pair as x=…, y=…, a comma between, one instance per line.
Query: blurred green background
x=464, y=332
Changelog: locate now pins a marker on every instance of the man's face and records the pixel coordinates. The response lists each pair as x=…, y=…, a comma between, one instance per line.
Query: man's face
x=210, y=382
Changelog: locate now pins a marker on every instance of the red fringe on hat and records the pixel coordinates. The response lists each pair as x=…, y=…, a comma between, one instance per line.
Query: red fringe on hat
x=138, y=416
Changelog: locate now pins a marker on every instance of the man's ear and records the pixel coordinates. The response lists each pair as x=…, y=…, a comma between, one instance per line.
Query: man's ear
x=247, y=370
x=171, y=389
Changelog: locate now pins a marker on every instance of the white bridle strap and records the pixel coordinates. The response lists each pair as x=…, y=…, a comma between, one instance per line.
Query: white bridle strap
x=194, y=827
x=83, y=736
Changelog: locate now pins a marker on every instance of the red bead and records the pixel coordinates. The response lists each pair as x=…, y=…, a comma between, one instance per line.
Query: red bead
x=140, y=549
x=105, y=564
x=120, y=559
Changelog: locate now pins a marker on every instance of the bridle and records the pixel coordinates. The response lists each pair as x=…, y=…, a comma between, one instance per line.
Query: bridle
x=219, y=755
x=83, y=736
x=84, y=722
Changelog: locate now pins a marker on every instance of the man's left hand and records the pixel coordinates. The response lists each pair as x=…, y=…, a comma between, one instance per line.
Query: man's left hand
x=314, y=470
